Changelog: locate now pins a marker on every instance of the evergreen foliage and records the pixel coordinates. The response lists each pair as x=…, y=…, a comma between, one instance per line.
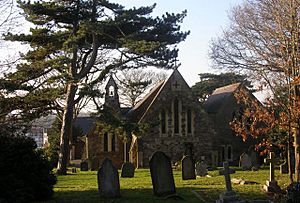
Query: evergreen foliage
x=26, y=174
x=75, y=44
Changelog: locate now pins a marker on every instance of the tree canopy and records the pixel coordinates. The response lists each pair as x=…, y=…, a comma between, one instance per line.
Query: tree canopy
x=262, y=42
x=133, y=84
x=75, y=44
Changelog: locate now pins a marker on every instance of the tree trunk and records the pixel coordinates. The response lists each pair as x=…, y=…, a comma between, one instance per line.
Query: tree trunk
x=289, y=158
x=297, y=155
x=66, y=130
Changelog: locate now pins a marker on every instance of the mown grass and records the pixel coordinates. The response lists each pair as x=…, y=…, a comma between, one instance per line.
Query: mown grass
x=82, y=187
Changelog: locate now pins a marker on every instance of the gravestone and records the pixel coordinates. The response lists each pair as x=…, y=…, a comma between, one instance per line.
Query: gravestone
x=188, y=168
x=245, y=161
x=108, y=180
x=254, y=159
x=229, y=195
x=162, y=175
x=127, y=170
x=271, y=184
x=201, y=169
x=84, y=166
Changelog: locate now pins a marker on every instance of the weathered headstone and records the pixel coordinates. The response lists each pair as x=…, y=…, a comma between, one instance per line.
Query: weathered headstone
x=108, y=180
x=84, y=166
x=127, y=170
x=162, y=175
x=201, y=169
x=245, y=162
x=188, y=168
x=254, y=159
x=229, y=195
x=271, y=184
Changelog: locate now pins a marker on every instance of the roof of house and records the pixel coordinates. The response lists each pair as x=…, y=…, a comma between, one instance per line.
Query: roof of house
x=214, y=101
x=85, y=123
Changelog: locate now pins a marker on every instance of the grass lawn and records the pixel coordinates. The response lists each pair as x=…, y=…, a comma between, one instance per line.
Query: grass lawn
x=82, y=187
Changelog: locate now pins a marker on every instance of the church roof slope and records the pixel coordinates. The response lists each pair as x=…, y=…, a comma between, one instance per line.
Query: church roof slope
x=136, y=113
x=85, y=123
x=214, y=101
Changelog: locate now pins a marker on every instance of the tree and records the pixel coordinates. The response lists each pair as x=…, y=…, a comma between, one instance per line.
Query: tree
x=135, y=83
x=75, y=44
x=209, y=82
x=9, y=15
x=27, y=174
x=262, y=42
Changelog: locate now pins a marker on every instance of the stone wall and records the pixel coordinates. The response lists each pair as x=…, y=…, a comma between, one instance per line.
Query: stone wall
x=225, y=136
x=96, y=152
x=173, y=143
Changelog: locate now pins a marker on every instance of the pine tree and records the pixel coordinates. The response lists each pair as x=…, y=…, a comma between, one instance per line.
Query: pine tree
x=76, y=43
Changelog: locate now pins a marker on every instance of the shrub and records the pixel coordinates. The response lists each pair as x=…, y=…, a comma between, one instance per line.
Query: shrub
x=26, y=174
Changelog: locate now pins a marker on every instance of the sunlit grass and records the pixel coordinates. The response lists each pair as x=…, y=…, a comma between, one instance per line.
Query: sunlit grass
x=82, y=187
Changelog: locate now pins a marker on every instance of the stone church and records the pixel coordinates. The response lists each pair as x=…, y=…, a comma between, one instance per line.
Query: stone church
x=182, y=126
x=179, y=126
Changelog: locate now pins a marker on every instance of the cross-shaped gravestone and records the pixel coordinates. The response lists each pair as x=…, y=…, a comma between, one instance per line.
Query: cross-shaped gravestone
x=271, y=161
x=229, y=195
x=271, y=185
x=226, y=172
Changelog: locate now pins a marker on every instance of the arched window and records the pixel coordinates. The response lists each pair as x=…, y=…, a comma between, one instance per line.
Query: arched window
x=163, y=120
x=109, y=142
x=105, y=142
x=176, y=116
x=189, y=121
x=111, y=91
x=113, y=143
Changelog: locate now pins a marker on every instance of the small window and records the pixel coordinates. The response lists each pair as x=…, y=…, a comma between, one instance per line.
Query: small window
x=111, y=90
x=113, y=143
x=176, y=116
x=189, y=121
x=105, y=142
x=223, y=153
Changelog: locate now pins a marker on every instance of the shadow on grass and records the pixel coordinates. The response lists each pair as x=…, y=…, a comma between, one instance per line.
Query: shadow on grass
x=146, y=196
x=127, y=196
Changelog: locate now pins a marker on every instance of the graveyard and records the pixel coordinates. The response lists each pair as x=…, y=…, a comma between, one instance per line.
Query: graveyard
x=100, y=103
x=82, y=187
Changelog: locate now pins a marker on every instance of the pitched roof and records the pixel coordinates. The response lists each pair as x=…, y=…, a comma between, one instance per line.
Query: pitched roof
x=214, y=101
x=85, y=123
x=137, y=113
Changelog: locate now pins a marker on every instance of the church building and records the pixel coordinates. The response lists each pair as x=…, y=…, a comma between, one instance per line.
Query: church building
x=177, y=125
x=180, y=127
